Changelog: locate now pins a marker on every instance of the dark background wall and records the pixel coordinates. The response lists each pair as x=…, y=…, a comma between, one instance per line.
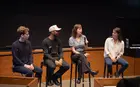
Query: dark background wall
x=97, y=18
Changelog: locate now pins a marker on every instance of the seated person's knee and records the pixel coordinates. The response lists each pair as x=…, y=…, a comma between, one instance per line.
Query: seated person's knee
x=29, y=73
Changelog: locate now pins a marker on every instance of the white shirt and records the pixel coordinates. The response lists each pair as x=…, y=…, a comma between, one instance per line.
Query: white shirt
x=115, y=49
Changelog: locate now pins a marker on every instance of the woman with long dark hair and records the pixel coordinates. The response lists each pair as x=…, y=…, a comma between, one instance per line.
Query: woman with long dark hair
x=113, y=51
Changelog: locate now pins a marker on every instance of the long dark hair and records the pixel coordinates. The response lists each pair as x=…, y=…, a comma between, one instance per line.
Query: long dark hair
x=74, y=30
x=118, y=31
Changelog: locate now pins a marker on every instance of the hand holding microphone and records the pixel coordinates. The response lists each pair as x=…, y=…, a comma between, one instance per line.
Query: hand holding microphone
x=85, y=41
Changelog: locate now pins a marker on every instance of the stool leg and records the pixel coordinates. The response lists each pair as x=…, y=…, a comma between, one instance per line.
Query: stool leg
x=89, y=78
x=70, y=74
x=46, y=76
x=75, y=74
x=40, y=80
x=82, y=76
x=104, y=69
x=83, y=80
x=40, y=76
x=107, y=70
x=61, y=81
x=116, y=68
x=122, y=74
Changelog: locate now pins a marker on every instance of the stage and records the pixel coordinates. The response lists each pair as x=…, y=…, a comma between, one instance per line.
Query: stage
x=32, y=82
x=95, y=82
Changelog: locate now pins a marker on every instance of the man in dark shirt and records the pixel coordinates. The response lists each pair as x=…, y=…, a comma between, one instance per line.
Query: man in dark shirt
x=53, y=56
x=22, y=55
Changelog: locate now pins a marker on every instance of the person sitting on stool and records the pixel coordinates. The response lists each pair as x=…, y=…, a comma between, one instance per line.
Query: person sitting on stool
x=113, y=50
x=53, y=56
x=78, y=42
x=22, y=55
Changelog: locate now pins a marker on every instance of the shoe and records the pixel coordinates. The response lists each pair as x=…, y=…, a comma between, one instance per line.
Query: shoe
x=94, y=73
x=117, y=74
x=49, y=83
x=56, y=82
x=111, y=76
x=78, y=81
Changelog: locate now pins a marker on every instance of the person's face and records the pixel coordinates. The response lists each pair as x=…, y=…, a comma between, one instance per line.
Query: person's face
x=25, y=36
x=79, y=31
x=56, y=33
x=115, y=34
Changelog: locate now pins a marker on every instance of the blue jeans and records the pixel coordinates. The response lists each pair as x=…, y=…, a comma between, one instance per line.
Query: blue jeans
x=121, y=61
x=28, y=72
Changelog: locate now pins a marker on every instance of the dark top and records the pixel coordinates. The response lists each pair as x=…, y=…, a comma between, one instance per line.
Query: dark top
x=52, y=49
x=22, y=53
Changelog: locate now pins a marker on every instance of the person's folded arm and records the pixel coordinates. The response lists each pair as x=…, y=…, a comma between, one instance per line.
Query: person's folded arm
x=71, y=44
x=74, y=51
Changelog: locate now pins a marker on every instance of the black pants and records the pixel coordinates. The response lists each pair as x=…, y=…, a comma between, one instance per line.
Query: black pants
x=83, y=64
x=28, y=72
x=51, y=67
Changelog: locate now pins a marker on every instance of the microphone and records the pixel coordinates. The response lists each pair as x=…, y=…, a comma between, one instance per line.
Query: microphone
x=85, y=40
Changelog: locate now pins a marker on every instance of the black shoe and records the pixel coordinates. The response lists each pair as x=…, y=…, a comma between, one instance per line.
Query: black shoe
x=49, y=83
x=78, y=81
x=117, y=74
x=111, y=76
x=94, y=73
x=56, y=82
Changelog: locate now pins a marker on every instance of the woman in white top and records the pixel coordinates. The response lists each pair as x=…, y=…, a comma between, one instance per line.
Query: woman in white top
x=113, y=51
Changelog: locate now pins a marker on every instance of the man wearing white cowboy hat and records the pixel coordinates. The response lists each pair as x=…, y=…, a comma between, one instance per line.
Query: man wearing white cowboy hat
x=53, y=56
